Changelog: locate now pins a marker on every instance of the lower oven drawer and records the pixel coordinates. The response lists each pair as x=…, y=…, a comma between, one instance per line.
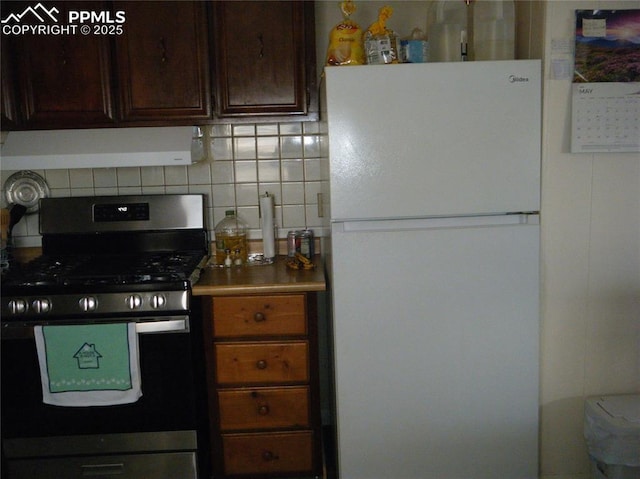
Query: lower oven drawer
x=285, y=452
x=175, y=465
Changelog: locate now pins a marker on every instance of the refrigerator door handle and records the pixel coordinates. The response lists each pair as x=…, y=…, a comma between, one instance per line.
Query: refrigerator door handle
x=406, y=224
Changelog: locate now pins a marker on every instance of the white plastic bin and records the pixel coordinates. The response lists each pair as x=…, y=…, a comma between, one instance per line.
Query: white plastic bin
x=612, y=431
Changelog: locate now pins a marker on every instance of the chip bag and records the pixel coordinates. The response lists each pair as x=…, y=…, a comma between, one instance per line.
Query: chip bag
x=345, y=40
x=380, y=42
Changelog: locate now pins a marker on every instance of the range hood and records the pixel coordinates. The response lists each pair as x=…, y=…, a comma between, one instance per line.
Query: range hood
x=97, y=148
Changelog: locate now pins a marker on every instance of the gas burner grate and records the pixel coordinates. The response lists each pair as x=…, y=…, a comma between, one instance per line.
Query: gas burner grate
x=94, y=270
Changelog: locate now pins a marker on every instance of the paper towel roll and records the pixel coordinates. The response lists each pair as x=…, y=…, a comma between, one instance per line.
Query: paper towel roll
x=268, y=226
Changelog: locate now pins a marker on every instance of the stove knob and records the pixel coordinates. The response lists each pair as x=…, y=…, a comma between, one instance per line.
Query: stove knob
x=158, y=301
x=88, y=304
x=41, y=306
x=17, y=306
x=134, y=301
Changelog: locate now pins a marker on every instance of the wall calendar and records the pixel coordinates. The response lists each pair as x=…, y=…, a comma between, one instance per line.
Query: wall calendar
x=606, y=84
x=605, y=117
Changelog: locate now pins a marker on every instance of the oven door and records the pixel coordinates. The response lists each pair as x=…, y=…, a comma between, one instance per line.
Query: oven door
x=156, y=436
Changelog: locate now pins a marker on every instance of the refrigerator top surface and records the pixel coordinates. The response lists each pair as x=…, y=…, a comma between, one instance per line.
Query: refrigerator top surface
x=440, y=139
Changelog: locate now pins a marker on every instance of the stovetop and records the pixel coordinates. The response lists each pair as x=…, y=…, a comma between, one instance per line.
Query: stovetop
x=103, y=271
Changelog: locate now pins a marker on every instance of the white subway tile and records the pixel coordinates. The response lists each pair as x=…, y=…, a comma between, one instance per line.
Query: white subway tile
x=152, y=176
x=221, y=149
x=246, y=171
x=247, y=194
x=223, y=196
x=175, y=175
x=81, y=178
x=267, y=129
x=291, y=147
x=293, y=216
x=268, y=147
x=268, y=170
x=199, y=174
x=105, y=178
x=128, y=177
x=244, y=130
x=57, y=178
x=292, y=170
x=222, y=172
x=293, y=193
x=220, y=130
x=244, y=148
x=312, y=169
x=294, y=128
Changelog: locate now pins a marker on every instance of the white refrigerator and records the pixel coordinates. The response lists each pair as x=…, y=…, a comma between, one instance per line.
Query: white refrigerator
x=434, y=268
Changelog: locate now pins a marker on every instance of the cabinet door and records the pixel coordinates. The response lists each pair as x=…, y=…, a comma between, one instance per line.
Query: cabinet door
x=162, y=61
x=8, y=104
x=64, y=80
x=265, y=57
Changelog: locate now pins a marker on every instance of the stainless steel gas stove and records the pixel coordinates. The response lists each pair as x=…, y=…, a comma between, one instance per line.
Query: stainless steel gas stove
x=110, y=255
x=109, y=259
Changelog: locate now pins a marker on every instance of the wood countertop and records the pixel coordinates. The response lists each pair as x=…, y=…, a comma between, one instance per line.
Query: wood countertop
x=255, y=279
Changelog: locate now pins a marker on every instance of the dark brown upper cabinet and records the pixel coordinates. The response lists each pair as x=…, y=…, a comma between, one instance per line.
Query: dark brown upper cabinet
x=8, y=104
x=161, y=65
x=62, y=80
x=163, y=62
x=264, y=58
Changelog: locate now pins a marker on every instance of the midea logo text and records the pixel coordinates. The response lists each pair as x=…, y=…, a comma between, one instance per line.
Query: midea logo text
x=40, y=20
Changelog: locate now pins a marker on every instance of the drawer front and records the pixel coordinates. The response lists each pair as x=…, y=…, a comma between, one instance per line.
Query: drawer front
x=282, y=362
x=259, y=316
x=157, y=466
x=268, y=453
x=264, y=408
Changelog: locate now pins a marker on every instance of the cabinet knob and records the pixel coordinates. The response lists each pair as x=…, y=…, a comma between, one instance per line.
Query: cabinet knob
x=268, y=456
x=259, y=317
x=262, y=364
x=263, y=410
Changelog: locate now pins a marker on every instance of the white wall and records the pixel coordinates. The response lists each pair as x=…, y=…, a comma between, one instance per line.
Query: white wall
x=590, y=269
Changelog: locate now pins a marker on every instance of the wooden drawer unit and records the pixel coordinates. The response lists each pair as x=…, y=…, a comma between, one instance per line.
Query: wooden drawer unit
x=262, y=369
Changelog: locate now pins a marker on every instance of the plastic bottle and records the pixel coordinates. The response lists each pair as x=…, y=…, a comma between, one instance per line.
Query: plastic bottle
x=448, y=33
x=231, y=240
x=493, y=30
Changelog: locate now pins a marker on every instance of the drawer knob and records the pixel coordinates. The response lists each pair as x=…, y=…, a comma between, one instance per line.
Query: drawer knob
x=259, y=317
x=262, y=364
x=263, y=410
x=269, y=456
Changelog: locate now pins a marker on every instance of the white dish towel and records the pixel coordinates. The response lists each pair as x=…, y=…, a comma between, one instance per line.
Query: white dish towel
x=89, y=365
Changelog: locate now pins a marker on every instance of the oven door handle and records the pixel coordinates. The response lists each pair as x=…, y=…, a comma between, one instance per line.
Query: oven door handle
x=17, y=330
x=168, y=326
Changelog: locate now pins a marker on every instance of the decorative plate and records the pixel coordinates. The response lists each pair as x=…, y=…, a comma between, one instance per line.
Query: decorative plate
x=26, y=188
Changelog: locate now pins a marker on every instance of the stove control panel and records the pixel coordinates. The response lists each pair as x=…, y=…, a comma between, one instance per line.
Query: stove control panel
x=82, y=304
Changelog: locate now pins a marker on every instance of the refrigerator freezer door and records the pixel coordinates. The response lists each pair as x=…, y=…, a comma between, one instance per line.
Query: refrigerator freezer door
x=436, y=350
x=441, y=139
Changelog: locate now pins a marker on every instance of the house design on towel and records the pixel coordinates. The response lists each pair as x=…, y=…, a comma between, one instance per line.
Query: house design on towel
x=88, y=357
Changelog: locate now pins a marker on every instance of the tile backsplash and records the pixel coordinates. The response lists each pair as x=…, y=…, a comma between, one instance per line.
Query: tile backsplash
x=289, y=160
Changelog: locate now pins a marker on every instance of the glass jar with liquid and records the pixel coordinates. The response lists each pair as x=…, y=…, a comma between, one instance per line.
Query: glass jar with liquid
x=231, y=240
